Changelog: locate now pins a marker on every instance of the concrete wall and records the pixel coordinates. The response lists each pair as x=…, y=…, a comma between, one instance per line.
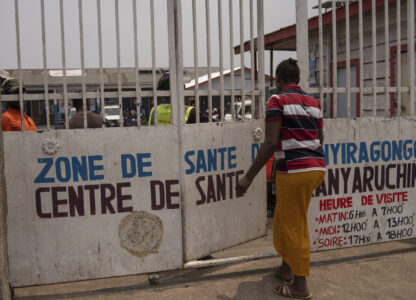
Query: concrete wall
x=369, y=191
x=98, y=203
x=106, y=202
x=92, y=203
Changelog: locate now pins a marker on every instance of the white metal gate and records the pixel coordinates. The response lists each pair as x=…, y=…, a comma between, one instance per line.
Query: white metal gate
x=92, y=203
x=178, y=180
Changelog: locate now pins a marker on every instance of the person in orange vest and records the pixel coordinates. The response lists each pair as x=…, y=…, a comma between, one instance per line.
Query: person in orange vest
x=11, y=119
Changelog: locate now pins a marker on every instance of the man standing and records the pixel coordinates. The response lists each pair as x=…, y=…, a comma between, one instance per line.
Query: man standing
x=11, y=119
x=77, y=121
x=164, y=108
x=294, y=133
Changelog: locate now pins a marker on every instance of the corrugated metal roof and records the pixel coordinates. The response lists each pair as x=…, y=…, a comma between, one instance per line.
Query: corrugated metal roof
x=214, y=76
x=290, y=31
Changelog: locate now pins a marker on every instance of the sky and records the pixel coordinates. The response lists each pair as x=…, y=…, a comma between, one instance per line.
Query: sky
x=277, y=14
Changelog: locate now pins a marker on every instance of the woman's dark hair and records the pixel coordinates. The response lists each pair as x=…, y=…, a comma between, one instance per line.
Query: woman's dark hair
x=288, y=71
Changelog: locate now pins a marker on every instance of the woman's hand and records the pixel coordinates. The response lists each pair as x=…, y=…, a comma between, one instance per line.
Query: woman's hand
x=266, y=150
x=242, y=185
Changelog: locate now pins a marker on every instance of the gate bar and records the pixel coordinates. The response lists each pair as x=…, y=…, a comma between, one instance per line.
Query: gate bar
x=19, y=63
x=328, y=90
x=45, y=71
x=81, y=43
x=120, y=99
x=398, y=60
x=174, y=11
x=100, y=58
x=196, y=69
x=361, y=54
x=230, y=5
x=252, y=63
x=152, y=30
x=5, y=292
x=334, y=59
x=242, y=68
x=411, y=52
x=229, y=260
x=386, y=57
x=302, y=42
x=260, y=48
x=207, y=22
x=136, y=66
x=173, y=73
x=64, y=79
x=221, y=61
x=374, y=52
x=321, y=54
x=348, y=57
x=179, y=109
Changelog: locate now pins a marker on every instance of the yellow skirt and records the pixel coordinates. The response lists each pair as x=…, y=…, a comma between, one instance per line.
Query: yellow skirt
x=290, y=230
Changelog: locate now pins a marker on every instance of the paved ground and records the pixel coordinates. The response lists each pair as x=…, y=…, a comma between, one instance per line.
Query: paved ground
x=382, y=271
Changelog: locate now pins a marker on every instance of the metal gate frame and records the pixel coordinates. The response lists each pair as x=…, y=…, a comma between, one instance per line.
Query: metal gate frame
x=179, y=92
x=176, y=90
x=5, y=290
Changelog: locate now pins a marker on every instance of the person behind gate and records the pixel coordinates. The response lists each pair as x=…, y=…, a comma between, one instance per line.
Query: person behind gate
x=77, y=121
x=11, y=119
x=294, y=133
x=164, y=108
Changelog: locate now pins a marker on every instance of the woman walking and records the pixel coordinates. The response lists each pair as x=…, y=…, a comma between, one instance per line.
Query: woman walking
x=294, y=134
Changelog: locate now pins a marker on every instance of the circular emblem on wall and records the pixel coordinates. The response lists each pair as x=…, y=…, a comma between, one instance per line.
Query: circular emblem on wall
x=141, y=233
x=50, y=146
x=257, y=134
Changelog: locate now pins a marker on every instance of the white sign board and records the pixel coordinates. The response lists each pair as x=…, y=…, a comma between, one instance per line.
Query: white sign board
x=368, y=195
x=96, y=203
x=92, y=203
x=215, y=217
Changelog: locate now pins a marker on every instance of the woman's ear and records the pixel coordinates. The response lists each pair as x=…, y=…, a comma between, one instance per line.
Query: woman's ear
x=278, y=83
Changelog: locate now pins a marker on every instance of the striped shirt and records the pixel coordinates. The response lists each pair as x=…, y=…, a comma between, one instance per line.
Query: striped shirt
x=299, y=148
